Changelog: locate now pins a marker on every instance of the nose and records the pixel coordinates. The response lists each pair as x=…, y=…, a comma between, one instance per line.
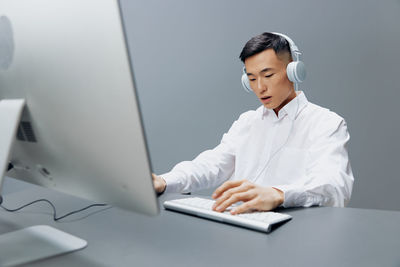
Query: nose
x=261, y=86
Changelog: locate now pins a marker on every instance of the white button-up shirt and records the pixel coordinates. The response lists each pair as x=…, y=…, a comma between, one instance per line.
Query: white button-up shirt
x=302, y=152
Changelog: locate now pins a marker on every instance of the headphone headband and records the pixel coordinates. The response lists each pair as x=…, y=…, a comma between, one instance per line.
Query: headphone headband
x=294, y=50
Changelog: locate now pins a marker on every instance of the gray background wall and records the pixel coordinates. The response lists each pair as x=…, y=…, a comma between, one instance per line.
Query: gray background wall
x=185, y=57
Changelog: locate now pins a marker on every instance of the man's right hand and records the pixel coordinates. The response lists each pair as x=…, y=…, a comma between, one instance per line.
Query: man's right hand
x=159, y=184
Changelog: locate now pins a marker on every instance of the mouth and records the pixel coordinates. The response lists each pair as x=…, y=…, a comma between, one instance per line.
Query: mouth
x=266, y=99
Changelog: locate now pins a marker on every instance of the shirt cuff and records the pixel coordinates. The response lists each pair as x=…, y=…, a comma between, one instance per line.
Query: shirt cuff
x=297, y=196
x=174, y=185
x=292, y=195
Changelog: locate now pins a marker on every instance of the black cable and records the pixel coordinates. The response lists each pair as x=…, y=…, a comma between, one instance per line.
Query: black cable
x=11, y=166
x=54, y=208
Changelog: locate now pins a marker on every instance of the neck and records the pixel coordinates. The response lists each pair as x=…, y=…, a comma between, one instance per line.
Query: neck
x=291, y=96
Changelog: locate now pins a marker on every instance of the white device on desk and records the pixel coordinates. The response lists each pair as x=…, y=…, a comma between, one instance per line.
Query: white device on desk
x=67, y=92
x=202, y=207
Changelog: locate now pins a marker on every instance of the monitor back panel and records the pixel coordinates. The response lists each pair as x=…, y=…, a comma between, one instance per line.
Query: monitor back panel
x=81, y=131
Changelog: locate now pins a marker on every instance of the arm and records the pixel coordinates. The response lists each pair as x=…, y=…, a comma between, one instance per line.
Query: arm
x=211, y=167
x=329, y=178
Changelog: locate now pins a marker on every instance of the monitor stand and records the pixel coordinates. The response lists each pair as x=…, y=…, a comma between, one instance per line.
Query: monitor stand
x=35, y=242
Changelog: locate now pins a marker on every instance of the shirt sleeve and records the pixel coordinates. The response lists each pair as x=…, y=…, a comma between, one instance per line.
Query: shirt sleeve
x=209, y=168
x=329, y=178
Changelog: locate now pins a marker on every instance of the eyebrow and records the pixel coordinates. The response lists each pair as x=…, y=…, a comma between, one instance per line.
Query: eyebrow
x=264, y=70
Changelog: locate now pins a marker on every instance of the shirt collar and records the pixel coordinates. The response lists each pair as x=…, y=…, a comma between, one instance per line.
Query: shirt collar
x=292, y=109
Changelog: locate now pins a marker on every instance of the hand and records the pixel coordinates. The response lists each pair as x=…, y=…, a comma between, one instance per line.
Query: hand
x=159, y=184
x=254, y=197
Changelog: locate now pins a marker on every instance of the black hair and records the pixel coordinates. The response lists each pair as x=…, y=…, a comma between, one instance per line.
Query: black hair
x=263, y=42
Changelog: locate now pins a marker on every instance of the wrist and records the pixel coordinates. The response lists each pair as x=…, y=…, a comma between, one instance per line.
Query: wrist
x=164, y=184
x=280, y=197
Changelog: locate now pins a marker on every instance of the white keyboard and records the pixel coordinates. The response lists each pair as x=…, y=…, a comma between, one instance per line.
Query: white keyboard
x=202, y=207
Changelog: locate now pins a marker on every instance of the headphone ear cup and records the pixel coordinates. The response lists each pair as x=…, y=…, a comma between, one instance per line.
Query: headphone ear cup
x=296, y=71
x=246, y=83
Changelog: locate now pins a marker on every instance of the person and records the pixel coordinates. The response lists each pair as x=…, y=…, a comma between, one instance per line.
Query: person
x=288, y=152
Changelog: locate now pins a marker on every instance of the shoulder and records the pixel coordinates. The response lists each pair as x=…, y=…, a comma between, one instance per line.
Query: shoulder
x=248, y=116
x=245, y=120
x=319, y=113
x=322, y=120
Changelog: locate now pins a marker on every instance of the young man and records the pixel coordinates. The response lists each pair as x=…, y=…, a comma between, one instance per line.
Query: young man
x=288, y=152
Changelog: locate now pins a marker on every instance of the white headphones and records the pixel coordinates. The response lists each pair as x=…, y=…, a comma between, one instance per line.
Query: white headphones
x=295, y=70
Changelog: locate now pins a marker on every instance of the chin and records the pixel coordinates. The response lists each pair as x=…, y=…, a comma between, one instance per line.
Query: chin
x=270, y=105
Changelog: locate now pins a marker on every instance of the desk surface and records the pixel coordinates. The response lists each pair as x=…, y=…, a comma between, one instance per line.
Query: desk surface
x=314, y=237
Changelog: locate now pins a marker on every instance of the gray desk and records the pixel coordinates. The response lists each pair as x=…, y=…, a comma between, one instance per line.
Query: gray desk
x=315, y=236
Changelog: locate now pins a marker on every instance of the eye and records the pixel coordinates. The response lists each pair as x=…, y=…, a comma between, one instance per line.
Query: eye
x=267, y=76
x=252, y=79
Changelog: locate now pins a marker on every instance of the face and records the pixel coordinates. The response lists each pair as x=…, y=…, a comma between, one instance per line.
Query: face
x=267, y=75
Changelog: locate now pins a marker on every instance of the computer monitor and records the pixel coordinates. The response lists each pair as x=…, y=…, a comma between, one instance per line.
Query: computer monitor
x=69, y=114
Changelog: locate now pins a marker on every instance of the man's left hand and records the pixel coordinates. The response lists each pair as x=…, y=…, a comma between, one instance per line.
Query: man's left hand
x=254, y=197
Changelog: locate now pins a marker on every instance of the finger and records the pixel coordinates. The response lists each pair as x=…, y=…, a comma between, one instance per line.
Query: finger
x=228, y=193
x=243, y=196
x=225, y=186
x=247, y=206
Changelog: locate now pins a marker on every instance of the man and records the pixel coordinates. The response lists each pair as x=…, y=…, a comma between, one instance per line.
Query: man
x=289, y=152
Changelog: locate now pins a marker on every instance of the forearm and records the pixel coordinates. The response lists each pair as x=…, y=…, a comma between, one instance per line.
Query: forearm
x=209, y=169
x=327, y=191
